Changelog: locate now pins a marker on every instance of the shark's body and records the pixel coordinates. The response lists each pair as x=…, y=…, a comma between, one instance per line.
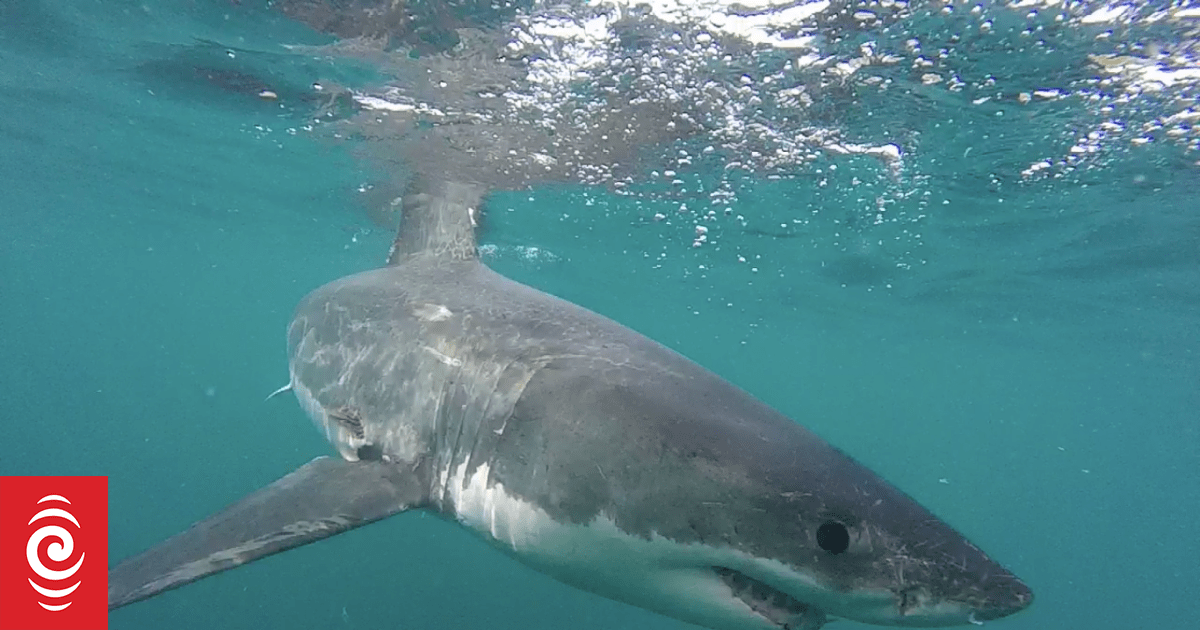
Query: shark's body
x=585, y=450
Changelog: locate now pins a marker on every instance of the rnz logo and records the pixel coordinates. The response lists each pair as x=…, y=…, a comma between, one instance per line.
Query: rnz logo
x=53, y=553
x=60, y=583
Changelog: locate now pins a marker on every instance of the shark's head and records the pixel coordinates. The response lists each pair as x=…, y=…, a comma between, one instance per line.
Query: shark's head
x=737, y=516
x=862, y=550
x=815, y=532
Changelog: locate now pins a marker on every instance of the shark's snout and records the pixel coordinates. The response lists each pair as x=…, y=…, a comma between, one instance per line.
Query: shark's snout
x=1006, y=594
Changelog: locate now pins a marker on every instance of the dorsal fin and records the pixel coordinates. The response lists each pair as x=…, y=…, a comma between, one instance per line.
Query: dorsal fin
x=437, y=220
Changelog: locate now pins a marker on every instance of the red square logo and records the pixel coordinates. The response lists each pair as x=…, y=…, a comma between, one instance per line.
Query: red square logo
x=53, y=553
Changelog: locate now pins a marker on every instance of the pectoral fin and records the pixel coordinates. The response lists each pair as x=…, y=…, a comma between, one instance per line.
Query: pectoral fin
x=323, y=498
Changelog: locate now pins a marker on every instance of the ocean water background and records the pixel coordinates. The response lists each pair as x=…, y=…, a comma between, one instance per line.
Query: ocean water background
x=1035, y=381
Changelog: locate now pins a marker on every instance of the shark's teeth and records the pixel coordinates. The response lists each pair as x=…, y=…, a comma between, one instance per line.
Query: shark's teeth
x=772, y=604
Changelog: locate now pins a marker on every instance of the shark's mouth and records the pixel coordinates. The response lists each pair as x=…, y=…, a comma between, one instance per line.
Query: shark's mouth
x=774, y=605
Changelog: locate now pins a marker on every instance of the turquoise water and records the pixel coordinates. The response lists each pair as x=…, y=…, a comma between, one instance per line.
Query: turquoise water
x=1033, y=376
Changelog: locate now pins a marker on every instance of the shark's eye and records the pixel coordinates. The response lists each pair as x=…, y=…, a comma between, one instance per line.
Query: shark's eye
x=833, y=537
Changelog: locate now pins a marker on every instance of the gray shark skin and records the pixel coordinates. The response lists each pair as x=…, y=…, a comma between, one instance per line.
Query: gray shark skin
x=583, y=449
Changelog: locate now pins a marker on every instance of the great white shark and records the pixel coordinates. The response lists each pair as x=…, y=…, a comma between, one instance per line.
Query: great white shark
x=583, y=449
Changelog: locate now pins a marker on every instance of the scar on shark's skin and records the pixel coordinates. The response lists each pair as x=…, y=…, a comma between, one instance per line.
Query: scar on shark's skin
x=349, y=418
x=433, y=312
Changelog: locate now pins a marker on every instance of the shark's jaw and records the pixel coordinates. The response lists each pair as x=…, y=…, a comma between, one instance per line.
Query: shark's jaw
x=775, y=606
x=813, y=608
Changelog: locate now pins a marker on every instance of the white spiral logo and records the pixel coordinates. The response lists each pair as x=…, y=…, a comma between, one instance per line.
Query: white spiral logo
x=59, y=551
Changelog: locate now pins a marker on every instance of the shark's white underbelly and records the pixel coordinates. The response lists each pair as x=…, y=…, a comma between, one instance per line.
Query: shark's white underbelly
x=658, y=574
